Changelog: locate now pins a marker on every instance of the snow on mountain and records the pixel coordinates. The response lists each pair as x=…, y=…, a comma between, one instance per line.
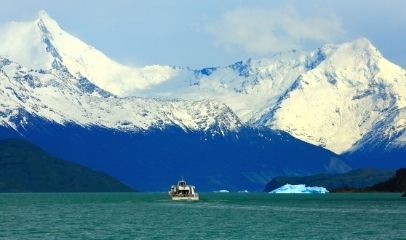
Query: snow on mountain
x=246, y=86
x=42, y=44
x=57, y=96
x=387, y=134
x=344, y=98
x=335, y=96
x=341, y=97
x=44, y=71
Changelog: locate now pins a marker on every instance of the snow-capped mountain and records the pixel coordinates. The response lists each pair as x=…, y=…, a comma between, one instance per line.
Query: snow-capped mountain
x=353, y=93
x=335, y=96
x=56, y=95
x=48, y=80
x=247, y=87
x=147, y=125
x=342, y=97
x=72, y=100
x=42, y=44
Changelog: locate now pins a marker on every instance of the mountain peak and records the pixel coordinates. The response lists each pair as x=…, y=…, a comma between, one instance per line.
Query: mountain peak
x=46, y=23
x=364, y=45
x=355, y=55
x=42, y=14
x=362, y=41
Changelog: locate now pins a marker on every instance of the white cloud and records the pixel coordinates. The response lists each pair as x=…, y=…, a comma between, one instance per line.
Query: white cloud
x=271, y=30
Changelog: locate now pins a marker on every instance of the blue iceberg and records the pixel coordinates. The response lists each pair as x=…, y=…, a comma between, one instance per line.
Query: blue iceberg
x=300, y=188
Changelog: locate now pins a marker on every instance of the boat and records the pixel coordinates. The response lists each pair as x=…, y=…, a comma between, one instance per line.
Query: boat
x=183, y=191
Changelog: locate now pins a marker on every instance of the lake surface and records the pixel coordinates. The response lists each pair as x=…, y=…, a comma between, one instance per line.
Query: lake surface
x=216, y=216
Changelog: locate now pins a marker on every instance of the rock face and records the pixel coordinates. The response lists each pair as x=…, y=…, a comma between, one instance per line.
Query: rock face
x=27, y=168
x=395, y=184
x=359, y=178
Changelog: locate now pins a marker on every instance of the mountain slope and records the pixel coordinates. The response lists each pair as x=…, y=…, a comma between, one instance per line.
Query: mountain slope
x=351, y=86
x=395, y=184
x=42, y=44
x=56, y=103
x=58, y=96
x=45, y=71
x=352, y=90
x=247, y=87
x=26, y=168
x=384, y=146
x=346, y=98
x=152, y=160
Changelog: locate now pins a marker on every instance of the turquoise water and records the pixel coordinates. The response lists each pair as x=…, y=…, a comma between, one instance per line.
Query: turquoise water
x=216, y=216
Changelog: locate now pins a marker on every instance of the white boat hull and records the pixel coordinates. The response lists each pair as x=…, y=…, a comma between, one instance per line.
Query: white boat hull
x=184, y=198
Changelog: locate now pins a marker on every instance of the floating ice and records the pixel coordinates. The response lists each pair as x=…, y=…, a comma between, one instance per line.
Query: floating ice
x=300, y=188
x=222, y=191
x=243, y=191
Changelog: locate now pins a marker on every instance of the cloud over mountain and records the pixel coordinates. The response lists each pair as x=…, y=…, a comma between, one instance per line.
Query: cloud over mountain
x=271, y=30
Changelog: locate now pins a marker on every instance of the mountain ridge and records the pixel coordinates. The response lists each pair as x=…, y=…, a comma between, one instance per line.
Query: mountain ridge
x=150, y=160
x=27, y=168
x=356, y=94
x=58, y=96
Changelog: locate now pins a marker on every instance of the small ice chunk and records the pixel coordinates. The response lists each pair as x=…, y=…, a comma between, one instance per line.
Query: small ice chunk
x=222, y=191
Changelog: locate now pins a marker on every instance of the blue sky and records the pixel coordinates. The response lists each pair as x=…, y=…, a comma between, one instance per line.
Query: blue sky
x=214, y=33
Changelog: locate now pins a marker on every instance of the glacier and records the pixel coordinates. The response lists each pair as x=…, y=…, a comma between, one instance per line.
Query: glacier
x=300, y=188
